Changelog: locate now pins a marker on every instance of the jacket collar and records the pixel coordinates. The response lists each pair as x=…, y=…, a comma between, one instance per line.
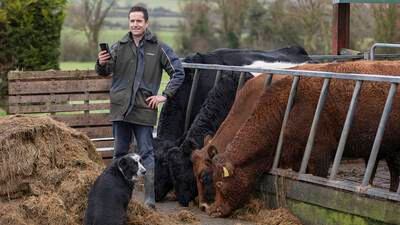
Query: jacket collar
x=148, y=36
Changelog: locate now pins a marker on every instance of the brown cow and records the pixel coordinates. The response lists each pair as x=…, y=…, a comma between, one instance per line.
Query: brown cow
x=251, y=151
x=243, y=106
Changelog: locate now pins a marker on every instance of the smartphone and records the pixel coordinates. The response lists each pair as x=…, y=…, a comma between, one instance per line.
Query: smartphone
x=104, y=47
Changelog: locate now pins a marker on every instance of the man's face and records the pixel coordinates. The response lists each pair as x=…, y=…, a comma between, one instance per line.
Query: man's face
x=137, y=24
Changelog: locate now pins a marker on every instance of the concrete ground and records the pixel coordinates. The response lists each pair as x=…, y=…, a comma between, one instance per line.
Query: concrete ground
x=170, y=207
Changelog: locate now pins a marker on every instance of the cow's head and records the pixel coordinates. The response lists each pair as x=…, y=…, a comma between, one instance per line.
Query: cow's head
x=202, y=169
x=180, y=169
x=228, y=187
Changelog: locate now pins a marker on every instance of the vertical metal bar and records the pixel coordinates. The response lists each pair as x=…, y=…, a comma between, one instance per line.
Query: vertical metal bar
x=241, y=81
x=191, y=98
x=346, y=130
x=289, y=105
x=217, y=77
x=314, y=126
x=379, y=135
x=372, y=52
x=268, y=80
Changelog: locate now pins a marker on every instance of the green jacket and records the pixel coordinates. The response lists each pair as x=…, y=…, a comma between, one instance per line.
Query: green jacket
x=136, y=75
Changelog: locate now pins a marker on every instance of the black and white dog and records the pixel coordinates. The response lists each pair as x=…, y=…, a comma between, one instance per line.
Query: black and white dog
x=111, y=192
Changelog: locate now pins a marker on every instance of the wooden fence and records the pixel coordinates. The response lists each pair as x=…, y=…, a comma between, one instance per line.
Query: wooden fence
x=78, y=98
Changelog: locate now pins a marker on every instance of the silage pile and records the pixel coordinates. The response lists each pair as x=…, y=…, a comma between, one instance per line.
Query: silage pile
x=46, y=171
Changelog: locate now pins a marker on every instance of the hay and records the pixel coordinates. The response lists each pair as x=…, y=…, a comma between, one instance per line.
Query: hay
x=46, y=171
x=254, y=211
x=38, y=152
x=138, y=214
x=186, y=217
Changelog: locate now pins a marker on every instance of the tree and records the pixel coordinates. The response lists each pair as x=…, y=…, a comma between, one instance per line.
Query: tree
x=196, y=31
x=5, y=54
x=233, y=15
x=386, y=19
x=29, y=36
x=33, y=32
x=272, y=25
x=314, y=19
x=89, y=17
x=361, y=26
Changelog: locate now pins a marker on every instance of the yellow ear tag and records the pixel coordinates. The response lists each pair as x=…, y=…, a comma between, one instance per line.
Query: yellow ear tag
x=226, y=172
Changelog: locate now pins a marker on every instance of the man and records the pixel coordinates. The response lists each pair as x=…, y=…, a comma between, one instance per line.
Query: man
x=136, y=62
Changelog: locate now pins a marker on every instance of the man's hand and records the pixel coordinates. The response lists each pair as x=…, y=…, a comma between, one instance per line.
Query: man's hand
x=153, y=101
x=103, y=57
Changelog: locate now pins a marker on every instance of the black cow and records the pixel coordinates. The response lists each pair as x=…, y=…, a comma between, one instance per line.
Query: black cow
x=170, y=131
x=172, y=118
x=213, y=112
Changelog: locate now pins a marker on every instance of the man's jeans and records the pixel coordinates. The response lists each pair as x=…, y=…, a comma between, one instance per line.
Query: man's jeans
x=122, y=132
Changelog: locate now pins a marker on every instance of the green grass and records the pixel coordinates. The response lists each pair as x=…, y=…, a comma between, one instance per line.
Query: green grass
x=172, y=5
x=77, y=65
x=2, y=112
x=113, y=35
x=164, y=21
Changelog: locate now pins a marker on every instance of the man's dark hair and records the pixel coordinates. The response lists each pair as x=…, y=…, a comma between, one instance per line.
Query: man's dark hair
x=138, y=8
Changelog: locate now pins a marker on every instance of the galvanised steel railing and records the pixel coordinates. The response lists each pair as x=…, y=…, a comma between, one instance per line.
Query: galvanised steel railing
x=381, y=45
x=359, y=78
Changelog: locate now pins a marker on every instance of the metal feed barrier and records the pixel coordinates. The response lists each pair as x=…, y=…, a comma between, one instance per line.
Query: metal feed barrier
x=359, y=78
x=310, y=195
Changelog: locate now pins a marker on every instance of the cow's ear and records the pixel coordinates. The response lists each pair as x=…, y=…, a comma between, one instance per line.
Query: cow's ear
x=212, y=151
x=207, y=139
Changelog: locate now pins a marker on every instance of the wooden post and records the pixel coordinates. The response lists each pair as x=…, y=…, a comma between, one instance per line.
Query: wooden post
x=340, y=27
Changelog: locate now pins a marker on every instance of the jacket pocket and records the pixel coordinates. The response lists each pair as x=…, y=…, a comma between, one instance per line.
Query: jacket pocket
x=118, y=96
x=141, y=96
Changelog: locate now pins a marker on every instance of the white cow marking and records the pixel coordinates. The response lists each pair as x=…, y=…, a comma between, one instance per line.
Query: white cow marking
x=271, y=65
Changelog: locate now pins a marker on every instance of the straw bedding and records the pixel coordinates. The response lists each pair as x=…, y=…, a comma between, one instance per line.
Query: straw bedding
x=46, y=171
x=256, y=212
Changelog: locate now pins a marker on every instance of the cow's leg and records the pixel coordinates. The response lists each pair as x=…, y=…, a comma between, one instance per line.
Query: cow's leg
x=393, y=162
x=322, y=153
x=296, y=136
